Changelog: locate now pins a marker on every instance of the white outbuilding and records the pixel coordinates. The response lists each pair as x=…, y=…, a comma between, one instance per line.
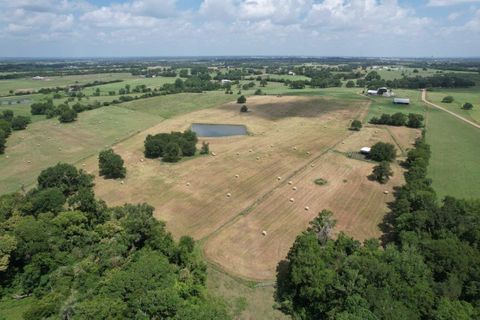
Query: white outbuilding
x=401, y=100
x=365, y=150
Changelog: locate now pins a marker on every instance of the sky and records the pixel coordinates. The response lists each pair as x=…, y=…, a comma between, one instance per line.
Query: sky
x=106, y=28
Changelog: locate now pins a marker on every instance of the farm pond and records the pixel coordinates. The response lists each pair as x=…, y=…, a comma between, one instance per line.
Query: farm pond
x=219, y=130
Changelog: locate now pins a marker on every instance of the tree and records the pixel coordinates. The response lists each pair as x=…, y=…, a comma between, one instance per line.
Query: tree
x=350, y=84
x=415, y=120
x=205, y=148
x=382, y=172
x=7, y=115
x=111, y=165
x=172, y=152
x=66, y=177
x=258, y=92
x=382, y=151
x=20, y=122
x=447, y=99
x=356, y=125
x=467, y=106
x=244, y=108
x=241, y=99
x=263, y=83
x=67, y=115
x=322, y=226
x=398, y=119
x=3, y=140
x=6, y=127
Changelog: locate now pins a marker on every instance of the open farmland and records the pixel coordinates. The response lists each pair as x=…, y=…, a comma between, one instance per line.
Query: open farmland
x=287, y=135
x=461, y=96
x=45, y=143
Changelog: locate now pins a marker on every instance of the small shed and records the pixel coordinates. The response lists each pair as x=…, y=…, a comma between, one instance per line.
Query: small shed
x=372, y=92
x=365, y=150
x=226, y=81
x=401, y=100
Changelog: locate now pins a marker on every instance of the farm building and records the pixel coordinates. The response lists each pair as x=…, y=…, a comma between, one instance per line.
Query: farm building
x=383, y=91
x=291, y=73
x=372, y=92
x=365, y=150
x=225, y=81
x=401, y=100
x=38, y=78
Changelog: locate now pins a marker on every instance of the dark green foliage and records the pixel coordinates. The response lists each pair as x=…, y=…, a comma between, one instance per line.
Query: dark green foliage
x=447, y=99
x=258, y=92
x=428, y=267
x=415, y=120
x=3, y=141
x=67, y=115
x=172, y=152
x=350, y=84
x=6, y=127
x=88, y=261
x=297, y=84
x=382, y=172
x=356, y=125
x=156, y=146
x=467, y=106
x=41, y=107
x=111, y=165
x=7, y=115
x=205, y=148
x=382, y=151
x=244, y=108
x=65, y=177
x=397, y=119
x=20, y=122
x=241, y=99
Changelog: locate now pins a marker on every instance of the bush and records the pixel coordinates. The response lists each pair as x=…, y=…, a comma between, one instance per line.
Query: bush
x=467, y=106
x=398, y=119
x=382, y=172
x=258, y=92
x=244, y=108
x=205, y=148
x=382, y=151
x=415, y=120
x=447, y=99
x=6, y=127
x=20, y=122
x=356, y=125
x=7, y=115
x=155, y=146
x=111, y=165
x=320, y=181
x=350, y=84
x=172, y=152
x=67, y=115
x=3, y=140
x=241, y=99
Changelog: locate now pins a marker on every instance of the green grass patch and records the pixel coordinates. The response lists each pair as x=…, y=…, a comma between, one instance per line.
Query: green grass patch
x=460, y=96
x=11, y=309
x=382, y=105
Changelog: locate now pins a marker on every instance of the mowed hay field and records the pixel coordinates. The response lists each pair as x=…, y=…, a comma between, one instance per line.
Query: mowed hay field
x=287, y=135
x=358, y=205
x=44, y=143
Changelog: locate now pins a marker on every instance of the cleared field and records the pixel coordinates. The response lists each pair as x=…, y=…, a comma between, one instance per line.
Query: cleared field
x=454, y=166
x=45, y=143
x=133, y=81
x=61, y=81
x=22, y=110
x=171, y=105
x=460, y=97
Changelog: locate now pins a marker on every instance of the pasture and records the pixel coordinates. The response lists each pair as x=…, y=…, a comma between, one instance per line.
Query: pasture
x=287, y=135
x=460, y=97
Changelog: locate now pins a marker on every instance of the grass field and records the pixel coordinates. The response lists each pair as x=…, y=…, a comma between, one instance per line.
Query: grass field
x=60, y=81
x=454, y=166
x=11, y=309
x=133, y=81
x=460, y=96
x=45, y=143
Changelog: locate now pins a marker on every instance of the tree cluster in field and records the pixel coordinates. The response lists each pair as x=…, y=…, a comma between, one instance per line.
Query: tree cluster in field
x=9, y=122
x=467, y=106
x=447, y=99
x=171, y=147
x=427, y=265
x=412, y=120
x=111, y=165
x=80, y=259
x=63, y=112
x=356, y=125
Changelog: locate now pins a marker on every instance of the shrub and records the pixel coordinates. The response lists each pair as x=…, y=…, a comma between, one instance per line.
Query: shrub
x=7, y=115
x=241, y=99
x=20, y=122
x=67, y=115
x=398, y=119
x=111, y=165
x=447, y=99
x=3, y=140
x=172, y=152
x=356, y=125
x=415, y=120
x=320, y=181
x=350, y=84
x=244, y=108
x=467, y=106
x=205, y=148
x=382, y=151
x=6, y=127
x=258, y=92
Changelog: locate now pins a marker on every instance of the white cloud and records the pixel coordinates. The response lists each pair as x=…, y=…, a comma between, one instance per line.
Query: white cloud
x=444, y=3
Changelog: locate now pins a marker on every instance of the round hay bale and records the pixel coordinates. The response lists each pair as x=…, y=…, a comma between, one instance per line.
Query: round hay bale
x=258, y=158
x=386, y=192
x=238, y=153
x=237, y=176
x=294, y=148
x=290, y=182
x=188, y=184
x=141, y=160
x=279, y=178
x=250, y=150
x=29, y=161
x=307, y=208
x=264, y=233
x=294, y=188
x=214, y=154
x=271, y=146
x=292, y=200
x=123, y=182
x=229, y=195
x=308, y=152
x=83, y=164
x=312, y=165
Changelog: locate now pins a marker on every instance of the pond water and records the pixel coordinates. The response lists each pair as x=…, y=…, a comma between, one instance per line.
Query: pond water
x=12, y=102
x=219, y=130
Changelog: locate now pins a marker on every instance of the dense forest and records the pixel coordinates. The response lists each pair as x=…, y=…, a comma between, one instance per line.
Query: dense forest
x=80, y=259
x=426, y=265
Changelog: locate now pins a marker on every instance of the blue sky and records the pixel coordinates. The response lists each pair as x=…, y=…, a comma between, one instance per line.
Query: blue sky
x=99, y=28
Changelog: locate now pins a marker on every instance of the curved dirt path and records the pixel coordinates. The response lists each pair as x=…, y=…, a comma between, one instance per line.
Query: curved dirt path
x=424, y=99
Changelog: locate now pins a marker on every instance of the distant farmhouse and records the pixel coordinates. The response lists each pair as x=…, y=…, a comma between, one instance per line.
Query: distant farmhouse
x=384, y=92
x=401, y=100
x=291, y=73
x=38, y=78
x=225, y=82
